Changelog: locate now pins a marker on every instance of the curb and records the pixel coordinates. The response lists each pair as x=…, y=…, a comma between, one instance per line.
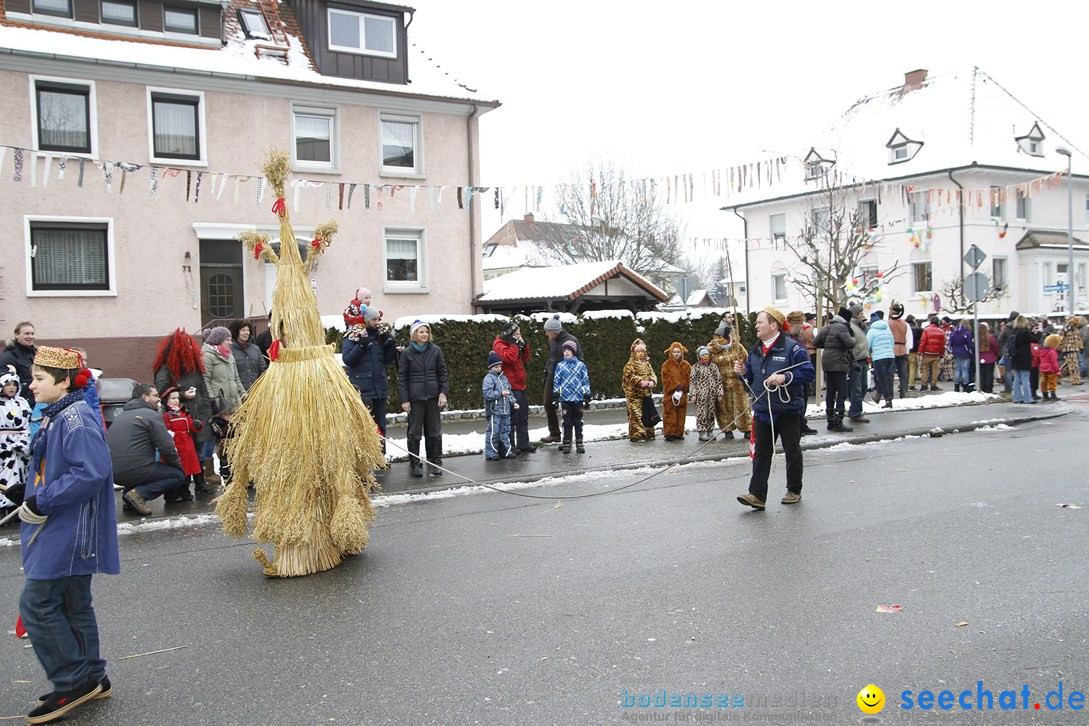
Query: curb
x=477, y=414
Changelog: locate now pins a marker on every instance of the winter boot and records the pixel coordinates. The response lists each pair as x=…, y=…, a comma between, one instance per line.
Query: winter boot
x=565, y=447
x=415, y=468
x=807, y=430
x=956, y=388
x=199, y=485
x=837, y=424
x=210, y=475
x=434, y=455
x=831, y=421
x=579, y=447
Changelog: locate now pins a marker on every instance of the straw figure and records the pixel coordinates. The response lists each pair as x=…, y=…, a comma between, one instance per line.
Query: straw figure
x=302, y=435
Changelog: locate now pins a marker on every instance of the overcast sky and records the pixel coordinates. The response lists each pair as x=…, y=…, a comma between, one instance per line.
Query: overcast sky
x=670, y=88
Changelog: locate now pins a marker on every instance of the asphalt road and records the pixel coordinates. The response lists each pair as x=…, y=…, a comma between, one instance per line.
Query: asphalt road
x=494, y=609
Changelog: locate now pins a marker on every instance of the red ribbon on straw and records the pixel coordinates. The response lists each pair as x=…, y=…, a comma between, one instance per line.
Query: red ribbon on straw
x=280, y=207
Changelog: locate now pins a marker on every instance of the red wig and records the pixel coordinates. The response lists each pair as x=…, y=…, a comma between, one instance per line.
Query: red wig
x=180, y=354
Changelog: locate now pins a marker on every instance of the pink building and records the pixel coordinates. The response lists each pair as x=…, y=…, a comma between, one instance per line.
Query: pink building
x=130, y=148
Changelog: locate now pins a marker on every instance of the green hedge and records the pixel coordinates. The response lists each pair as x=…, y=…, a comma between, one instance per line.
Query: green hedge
x=606, y=339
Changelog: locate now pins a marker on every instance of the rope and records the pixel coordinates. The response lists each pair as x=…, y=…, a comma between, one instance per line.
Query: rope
x=669, y=468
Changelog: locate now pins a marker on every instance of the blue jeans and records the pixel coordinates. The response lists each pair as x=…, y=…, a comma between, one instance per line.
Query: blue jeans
x=960, y=373
x=58, y=616
x=1022, y=386
x=1007, y=378
x=164, y=478
x=857, y=384
x=883, y=370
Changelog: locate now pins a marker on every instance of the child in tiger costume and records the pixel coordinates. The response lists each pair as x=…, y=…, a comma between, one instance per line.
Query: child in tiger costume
x=732, y=410
x=638, y=381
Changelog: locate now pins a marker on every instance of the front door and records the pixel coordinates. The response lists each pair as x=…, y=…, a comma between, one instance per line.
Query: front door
x=222, y=294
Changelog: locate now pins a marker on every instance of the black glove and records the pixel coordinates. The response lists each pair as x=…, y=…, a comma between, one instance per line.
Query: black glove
x=586, y=400
x=32, y=505
x=15, y=493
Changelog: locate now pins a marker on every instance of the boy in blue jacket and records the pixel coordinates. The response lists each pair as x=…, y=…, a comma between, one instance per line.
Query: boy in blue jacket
x=69, y=533
x=498, y=404
x=571, y=385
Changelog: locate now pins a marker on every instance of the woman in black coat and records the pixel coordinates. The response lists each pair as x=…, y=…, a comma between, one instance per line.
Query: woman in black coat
x=422, y=386
x=1021, y=359
x=247, y=356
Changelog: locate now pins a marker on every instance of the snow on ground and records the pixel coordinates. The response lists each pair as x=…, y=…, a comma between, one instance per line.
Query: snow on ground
x=937, y=400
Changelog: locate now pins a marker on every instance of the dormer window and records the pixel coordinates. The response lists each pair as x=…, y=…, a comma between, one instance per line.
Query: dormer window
x=1031, y=143
x=180, y=20
x=60, y=8
x=362, y=33
x=253, y=24
x=902, y=147
x=119, y=12
x=818, y=163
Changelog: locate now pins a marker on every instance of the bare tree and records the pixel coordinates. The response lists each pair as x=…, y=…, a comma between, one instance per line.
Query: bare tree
x=612, y=218
x=954, y=300
x=835, y=242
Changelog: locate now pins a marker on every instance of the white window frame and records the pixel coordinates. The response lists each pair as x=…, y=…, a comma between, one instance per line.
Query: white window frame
x=263, y=32
x=111, y=257
x=417, y=172
x=996, y=193
x=779, y=272
x=333, y=165
x=914, y=208
x=914, y=277
x=92, y=103
x=135, y=13
x=361, y=18
x=202, y=132
x=52, y=13
x=819, y=216
x=1080, y=275
x=1005, y=264
x=399, y=286
x=863, y=207
x=777, y=236
x=1022, y=208
x=899, y=153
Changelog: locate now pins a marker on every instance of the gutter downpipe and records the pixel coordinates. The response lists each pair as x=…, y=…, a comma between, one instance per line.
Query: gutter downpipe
x=745, y=222
x=473, y=256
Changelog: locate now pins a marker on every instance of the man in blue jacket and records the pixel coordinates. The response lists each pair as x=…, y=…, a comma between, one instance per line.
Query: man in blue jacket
x=778, y=363
x=69, y=533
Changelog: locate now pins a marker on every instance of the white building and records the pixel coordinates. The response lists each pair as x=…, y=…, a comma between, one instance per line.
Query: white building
x=935, y=166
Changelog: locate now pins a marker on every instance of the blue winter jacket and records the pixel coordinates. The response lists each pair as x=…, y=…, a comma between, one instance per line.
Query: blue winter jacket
x=72, y=485
x=366, y=360
x=571, y=381
x=961, y=343
x=495, y=403
x=879, y=336
x=784, y=352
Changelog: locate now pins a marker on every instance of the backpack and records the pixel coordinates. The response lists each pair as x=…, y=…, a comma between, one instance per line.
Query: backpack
x=1011, y=346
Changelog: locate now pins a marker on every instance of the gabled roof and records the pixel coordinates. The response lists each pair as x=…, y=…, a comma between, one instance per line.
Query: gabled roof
x=562, y=282
x=528, y=230
x=1033, y=133
x=1035, y=238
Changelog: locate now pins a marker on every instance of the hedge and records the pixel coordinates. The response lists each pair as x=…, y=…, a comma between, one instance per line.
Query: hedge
x=605, y=336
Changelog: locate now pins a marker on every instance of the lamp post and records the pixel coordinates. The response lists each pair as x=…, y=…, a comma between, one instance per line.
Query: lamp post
x=1069, y=229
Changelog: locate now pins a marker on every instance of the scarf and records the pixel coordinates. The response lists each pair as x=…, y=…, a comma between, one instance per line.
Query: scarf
x=420, y=348
x=37, y=446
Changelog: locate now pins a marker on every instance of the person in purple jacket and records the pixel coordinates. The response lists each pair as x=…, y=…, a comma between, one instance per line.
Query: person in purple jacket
x=962, y=346
x=69, y=533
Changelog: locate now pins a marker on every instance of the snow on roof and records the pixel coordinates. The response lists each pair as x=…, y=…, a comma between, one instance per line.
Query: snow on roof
x=235, y=58
x=961, y=118
x=520, y=255
x=560, y=281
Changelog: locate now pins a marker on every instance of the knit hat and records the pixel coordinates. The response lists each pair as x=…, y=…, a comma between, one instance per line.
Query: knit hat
x=508, y=331
x=855, y=309
x=845, y=313
x=553, y=325
x=572, y=345
x=494, y=359
x=777, y=314
x=723, y=330
x=795, y=317
x=1013, y=316
x=810, y=316
x=704, y=350
x=217, y=335
x=362, y=293
x=416, y=325
x=371, y=313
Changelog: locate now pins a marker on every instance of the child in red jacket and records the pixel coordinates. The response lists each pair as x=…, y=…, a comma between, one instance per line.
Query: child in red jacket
x=1048, y=357
x=182, y=427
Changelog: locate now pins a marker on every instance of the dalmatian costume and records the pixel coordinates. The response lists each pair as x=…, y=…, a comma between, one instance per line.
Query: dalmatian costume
x=14, y=437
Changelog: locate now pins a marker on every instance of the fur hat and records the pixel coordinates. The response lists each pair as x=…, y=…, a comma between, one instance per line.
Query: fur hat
x=416, y=325
x=494, y=359
x=1054, y=341
x=795, y=317
x=553, y=325
x=777, y=314
x=703, y=350
x=217, y=335
x=371, y=313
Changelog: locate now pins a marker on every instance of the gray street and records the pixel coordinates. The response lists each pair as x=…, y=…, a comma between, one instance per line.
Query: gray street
x=492, y=608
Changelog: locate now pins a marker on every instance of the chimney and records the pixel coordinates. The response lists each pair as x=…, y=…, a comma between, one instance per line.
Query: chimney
x=913, y=80
x=528, y=217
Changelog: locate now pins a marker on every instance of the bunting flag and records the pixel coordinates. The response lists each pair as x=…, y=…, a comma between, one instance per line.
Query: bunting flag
x=153, y=185
x=33, y=168
x=19, y=166
x=48, y=169
x=62, y=165
x=340, y=196
x=351, y=193
x=79, y=183
x=196, y=190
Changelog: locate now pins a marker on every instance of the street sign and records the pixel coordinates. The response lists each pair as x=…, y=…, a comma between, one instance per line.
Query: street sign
x=974, y=257
x=1061, y=287
x=976, y=286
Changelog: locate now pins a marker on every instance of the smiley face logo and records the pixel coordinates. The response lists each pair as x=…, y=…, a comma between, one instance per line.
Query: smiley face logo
x=871, y=699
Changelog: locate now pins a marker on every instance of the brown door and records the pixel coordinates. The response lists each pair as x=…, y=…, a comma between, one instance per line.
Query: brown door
x=222, y=296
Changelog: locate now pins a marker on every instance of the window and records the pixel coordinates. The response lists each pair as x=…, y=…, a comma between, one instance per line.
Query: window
x=866, y=274
x=996, y=201
x=63, y=8
x=177, y=125
x=118, y=12
x=180, y=20
x=400, y=144
x=900, y=153
x=1022, y=205
x=819, y=217
x=1049, y=274
x=777, y=226
x=1081, y=277
x=813, y=170
x=919, y=207
x=1060, y=271
x=867, y=213
x=404, y=260
x=253, y=24
x=62, y=113
x=315, y=134
x=998, y=273
x=362, y=33
x=779, y=286
x=921, y=277
x=67, y=256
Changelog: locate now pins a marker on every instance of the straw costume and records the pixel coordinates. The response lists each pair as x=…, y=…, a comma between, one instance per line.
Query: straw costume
x=302, y=435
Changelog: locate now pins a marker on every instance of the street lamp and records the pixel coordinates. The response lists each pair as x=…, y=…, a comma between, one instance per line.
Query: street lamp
x=1069, y=228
